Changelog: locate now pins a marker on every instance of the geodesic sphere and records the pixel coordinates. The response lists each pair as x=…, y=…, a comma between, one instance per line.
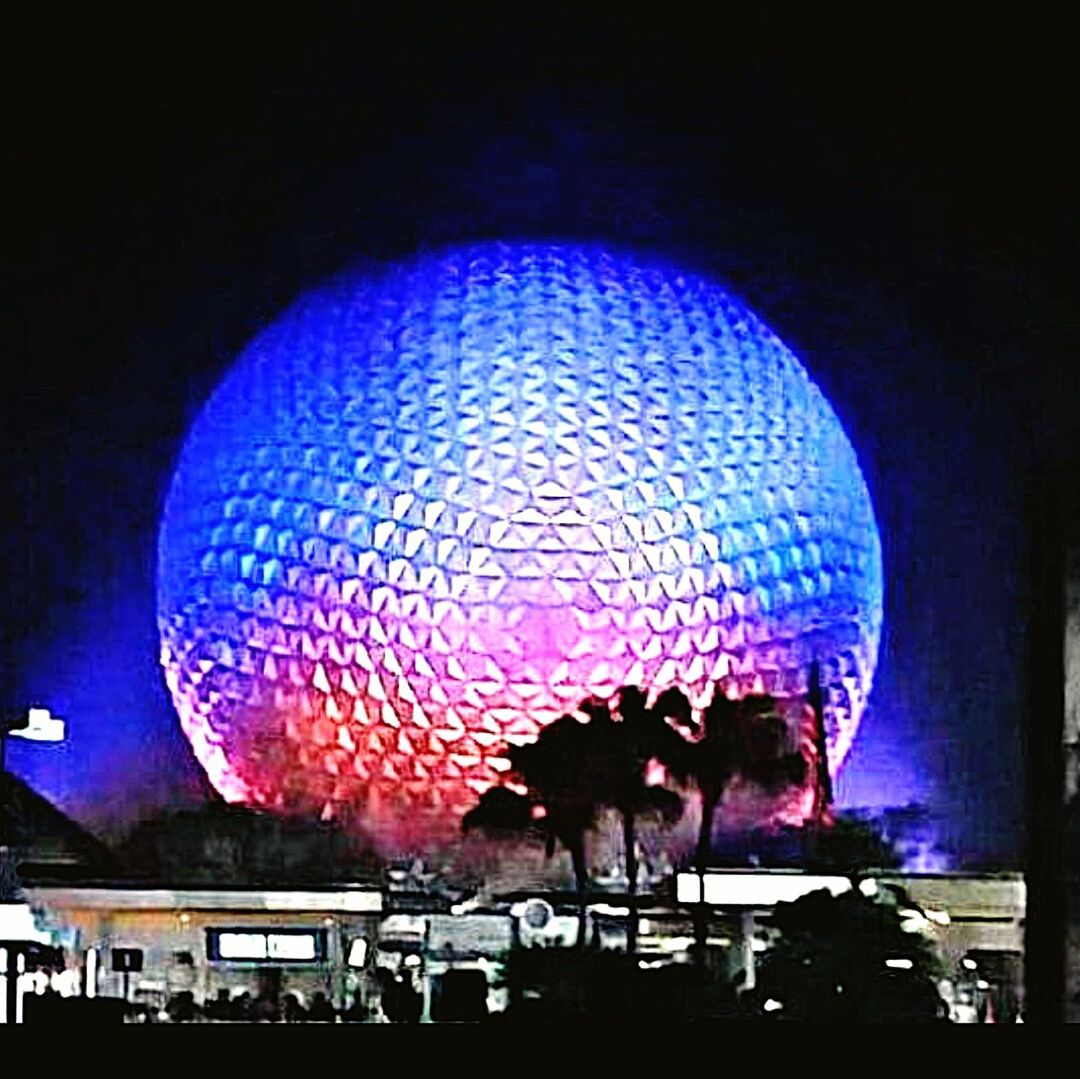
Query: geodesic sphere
x=427, y=513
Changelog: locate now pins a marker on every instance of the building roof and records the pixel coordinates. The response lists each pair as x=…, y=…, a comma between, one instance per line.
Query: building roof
x=48, y=844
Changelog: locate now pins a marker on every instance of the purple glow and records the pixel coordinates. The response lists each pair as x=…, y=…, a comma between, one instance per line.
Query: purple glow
x=425, y=515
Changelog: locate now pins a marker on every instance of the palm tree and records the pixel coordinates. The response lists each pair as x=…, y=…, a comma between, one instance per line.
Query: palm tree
x=747, y=737
x=558, y=769
x=643, y=735
x=573, y=770
x=504, y=814
x=634, y=805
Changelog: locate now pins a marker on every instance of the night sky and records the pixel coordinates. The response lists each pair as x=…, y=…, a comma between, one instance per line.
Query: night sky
x=895, y=199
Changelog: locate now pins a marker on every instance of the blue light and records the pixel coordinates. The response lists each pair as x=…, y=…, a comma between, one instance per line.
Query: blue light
x=428, y=512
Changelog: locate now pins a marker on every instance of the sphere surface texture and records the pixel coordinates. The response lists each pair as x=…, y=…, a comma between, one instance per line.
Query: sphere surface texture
x=428, y=512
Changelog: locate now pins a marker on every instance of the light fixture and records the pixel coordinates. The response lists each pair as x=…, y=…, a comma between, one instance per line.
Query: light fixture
x=358, y=952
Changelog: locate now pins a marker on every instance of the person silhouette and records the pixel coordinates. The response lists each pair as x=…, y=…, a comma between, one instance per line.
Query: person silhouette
x=292, y=1010
x=220, y=1008
x=321, y=1010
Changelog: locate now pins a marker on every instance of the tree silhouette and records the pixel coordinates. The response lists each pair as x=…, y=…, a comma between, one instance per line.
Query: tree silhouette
x=561, y=806
x=849, y=958
x=642, y=736
x=747, y=737
x=850, y=845
x=227, y=844
x=559, y=768
x=575, y=769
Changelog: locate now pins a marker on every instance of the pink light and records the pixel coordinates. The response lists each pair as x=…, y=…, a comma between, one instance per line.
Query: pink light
x=426, y=515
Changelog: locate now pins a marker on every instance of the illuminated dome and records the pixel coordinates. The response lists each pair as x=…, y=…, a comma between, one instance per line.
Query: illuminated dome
x=428, y=512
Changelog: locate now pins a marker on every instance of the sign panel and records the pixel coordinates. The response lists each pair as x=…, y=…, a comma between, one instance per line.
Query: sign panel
x=241, y=946
x=297, y=947
x=266, y=945
x=127, y=960
x=762, y=889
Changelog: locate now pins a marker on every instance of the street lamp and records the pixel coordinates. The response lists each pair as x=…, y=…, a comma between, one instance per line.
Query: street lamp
x=35, y=725
x=38, y=725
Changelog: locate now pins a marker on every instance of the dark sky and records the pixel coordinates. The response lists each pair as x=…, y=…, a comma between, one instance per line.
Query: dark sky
x=896, y=198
